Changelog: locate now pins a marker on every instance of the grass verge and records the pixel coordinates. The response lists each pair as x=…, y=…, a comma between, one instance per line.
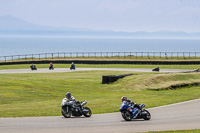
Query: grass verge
x=177, y=131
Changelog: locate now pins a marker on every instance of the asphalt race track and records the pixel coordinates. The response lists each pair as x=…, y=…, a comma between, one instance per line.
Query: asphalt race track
x=180, y=116
x=46, y=70
x=172, y=117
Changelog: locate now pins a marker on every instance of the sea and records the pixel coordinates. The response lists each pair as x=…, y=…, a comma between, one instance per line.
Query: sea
x=36, y=45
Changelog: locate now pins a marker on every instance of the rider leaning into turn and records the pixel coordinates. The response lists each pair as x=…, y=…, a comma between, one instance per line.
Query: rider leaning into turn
x=69, y=97
x=134, y=106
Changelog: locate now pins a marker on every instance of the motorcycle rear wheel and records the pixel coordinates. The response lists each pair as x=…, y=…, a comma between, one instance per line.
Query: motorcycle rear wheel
x=87, y=114
x=66, y=114
x=126, y=115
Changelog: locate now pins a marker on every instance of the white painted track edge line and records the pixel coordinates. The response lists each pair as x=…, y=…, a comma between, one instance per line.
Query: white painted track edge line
x=174, y=104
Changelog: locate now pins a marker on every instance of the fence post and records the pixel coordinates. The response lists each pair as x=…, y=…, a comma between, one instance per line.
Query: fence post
x=39, y=56
x=5, y=58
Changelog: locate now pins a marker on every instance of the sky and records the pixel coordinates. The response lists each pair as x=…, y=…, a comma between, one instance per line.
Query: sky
x=116, y=15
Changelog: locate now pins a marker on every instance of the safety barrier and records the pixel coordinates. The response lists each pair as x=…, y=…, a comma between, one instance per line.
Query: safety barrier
x=130, y=55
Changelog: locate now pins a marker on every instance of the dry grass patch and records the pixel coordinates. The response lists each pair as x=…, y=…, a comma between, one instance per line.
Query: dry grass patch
x=157, y=81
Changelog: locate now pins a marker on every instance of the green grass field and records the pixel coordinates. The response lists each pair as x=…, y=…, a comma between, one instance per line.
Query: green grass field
x=41, y=94
x=178, y=131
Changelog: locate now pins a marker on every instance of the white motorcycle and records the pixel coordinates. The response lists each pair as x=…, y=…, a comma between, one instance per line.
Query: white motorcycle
x=74, y=108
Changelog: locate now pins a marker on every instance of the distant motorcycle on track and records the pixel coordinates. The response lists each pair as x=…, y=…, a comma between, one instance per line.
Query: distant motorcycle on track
x=127, y=112
x=51, y=68
x=33, y=67
x=74, y=108
x=72, y=67
x=157, y=69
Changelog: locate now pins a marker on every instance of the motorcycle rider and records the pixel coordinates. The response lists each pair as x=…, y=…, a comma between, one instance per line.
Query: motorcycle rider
x=51, y=64
x=71, y=98
x=33, y=67
x=135, y=107
x=72, y=65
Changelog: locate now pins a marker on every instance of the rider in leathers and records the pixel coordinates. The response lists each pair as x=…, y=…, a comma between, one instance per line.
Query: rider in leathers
x=71, y=98
x=135, y=107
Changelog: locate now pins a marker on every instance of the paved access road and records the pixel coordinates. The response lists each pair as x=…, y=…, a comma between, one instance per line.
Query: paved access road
x=46, y=70
x=179, y=116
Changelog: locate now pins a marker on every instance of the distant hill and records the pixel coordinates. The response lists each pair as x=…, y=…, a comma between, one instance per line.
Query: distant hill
x=11, y=26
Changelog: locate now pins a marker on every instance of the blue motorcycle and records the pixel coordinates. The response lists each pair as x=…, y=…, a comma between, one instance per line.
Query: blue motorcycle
x=129, y=113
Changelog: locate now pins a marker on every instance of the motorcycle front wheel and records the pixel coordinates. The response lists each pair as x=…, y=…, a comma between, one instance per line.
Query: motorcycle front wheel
x=87, y=113
x=126, y=115
x=147, y=115
x=66, y=114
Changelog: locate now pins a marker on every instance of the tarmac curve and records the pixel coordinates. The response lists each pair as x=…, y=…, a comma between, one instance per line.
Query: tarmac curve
x=180, y=116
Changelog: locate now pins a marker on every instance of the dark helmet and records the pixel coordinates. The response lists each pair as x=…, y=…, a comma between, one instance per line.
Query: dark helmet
x=68, y=95
x=124, y=98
